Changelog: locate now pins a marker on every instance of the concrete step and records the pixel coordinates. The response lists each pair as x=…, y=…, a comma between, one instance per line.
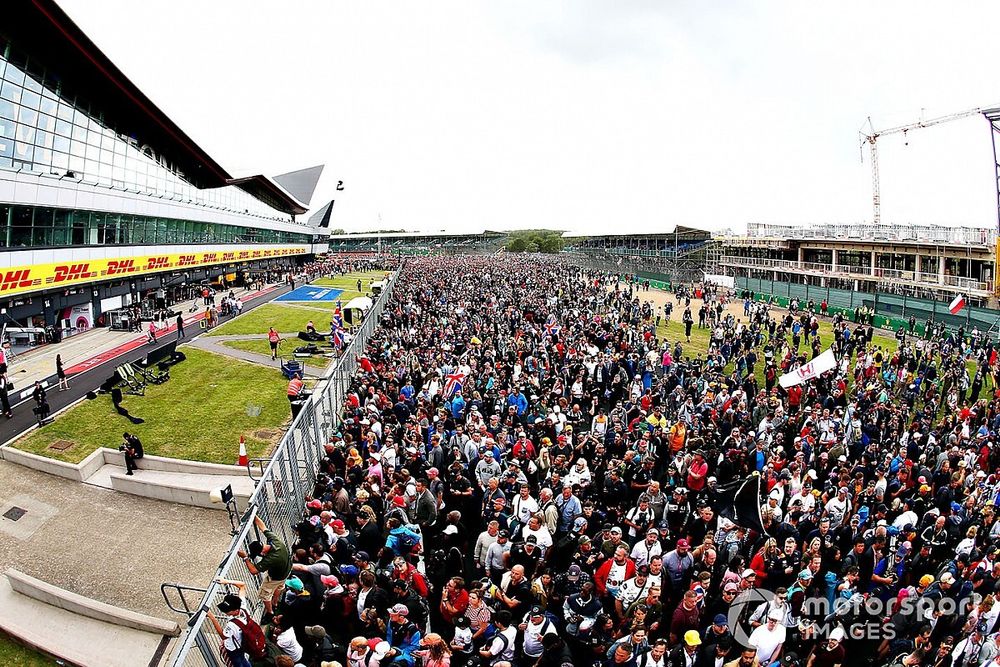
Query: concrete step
x=179, y=487
x=75, y=638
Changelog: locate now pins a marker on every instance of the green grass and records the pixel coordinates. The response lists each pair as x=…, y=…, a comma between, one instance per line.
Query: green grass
x=673, y=331
x=13, y=654
x=284, y=318
x=199, y=414
x=285, y=349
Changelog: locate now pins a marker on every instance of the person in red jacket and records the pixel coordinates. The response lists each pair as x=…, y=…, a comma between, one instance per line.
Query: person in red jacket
x=614, y=572
x=794, y=398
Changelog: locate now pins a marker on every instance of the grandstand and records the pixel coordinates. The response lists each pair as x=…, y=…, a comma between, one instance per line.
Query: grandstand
x=418, y=243
x=677, y=255
x=899, y=270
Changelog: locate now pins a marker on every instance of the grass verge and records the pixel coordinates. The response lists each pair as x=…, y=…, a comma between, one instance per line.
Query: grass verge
x=199, y=414
x=13, y=654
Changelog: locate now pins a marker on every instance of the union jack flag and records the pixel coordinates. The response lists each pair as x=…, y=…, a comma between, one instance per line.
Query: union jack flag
x=551, y=328
x=337, y=337
x=338, y=318
x=453, y=383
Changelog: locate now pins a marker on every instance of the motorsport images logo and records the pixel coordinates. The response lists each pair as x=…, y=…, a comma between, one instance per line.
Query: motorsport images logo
x=860, y=616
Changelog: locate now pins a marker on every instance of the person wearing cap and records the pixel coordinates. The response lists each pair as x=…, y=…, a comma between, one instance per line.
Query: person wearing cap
x=678, y=562
x=768, y=638
x=533, y=627
x=647, y=550
x=830, y=653
x=685, y=652
x=236, y=619
x=272, y=559
x=527, y=554
x=718, y=631
x=403, y=636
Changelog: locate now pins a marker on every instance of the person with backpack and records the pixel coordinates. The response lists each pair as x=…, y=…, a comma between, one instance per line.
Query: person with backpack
x=533, y=629
x=499, y=652
x=243, y=639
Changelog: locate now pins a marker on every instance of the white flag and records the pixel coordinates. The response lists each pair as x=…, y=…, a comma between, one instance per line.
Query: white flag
x=821, y=364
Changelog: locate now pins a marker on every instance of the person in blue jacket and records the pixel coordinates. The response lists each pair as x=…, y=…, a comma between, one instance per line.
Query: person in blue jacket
x=403, y=637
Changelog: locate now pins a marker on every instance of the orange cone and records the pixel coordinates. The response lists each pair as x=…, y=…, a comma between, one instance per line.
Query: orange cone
x=244, y=461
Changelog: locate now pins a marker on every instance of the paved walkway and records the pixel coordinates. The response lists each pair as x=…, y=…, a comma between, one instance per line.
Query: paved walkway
x=78, y=639
x=216, y=344
x=113, y=547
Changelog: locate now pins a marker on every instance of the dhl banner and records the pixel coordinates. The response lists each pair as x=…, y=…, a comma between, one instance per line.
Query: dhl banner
x=21, y=279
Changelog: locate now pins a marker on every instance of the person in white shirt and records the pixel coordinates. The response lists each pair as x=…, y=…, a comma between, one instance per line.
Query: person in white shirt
x=232, y=606
x=542, y=536
x=534, y=627
x=647, y=550
x=524, y=505
x=499, y=652
x=768, y=638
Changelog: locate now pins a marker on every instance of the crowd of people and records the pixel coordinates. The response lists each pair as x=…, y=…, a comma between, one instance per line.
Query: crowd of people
x=530, y=471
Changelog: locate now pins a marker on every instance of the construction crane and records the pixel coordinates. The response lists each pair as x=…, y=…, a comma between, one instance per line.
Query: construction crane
x=871, y=137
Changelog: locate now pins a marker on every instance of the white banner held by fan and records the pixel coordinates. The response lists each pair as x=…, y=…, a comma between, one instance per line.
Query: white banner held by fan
x=821, y=364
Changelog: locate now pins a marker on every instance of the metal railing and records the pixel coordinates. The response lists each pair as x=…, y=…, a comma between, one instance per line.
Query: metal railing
x=861, y=272
x=278, y=497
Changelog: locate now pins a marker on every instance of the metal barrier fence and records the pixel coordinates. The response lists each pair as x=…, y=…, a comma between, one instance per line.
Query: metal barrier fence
x=278, y=496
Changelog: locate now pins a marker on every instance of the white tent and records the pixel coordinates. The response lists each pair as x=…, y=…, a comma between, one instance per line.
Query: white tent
x=359, y=303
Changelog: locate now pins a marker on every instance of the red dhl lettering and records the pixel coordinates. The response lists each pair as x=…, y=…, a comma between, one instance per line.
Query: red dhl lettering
x=244, y=254
x=157, y=263
x=210, y=257
x=257, y=253
x=186, y=260
x=14, y=279
x=117, y=267
x=70, y=272
x=226, y=256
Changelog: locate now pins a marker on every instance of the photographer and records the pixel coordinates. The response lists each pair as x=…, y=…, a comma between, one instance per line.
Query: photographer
x=132, y=449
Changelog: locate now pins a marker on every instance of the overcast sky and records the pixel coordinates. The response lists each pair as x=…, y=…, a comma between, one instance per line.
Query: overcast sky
x=579, y=115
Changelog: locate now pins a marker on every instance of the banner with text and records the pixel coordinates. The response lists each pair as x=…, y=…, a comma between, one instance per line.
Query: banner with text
x=22, y=279
x=821, y=364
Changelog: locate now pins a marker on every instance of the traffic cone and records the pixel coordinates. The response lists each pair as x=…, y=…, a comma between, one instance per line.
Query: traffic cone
x=243, y=453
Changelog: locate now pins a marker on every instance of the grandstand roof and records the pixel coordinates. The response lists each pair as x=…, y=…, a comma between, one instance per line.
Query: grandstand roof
x=679, y=230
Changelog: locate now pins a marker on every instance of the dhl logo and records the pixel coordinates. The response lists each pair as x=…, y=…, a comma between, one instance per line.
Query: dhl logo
x=117, y=267
x=186, y=260
x=210, y=257
x=244, y=254
x=228, y=256
x=71, y=272
x=257, y=253
x=155, y=263
x=15, y=279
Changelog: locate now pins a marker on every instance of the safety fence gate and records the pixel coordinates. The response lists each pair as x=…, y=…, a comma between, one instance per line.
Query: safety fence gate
x=277, y=499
